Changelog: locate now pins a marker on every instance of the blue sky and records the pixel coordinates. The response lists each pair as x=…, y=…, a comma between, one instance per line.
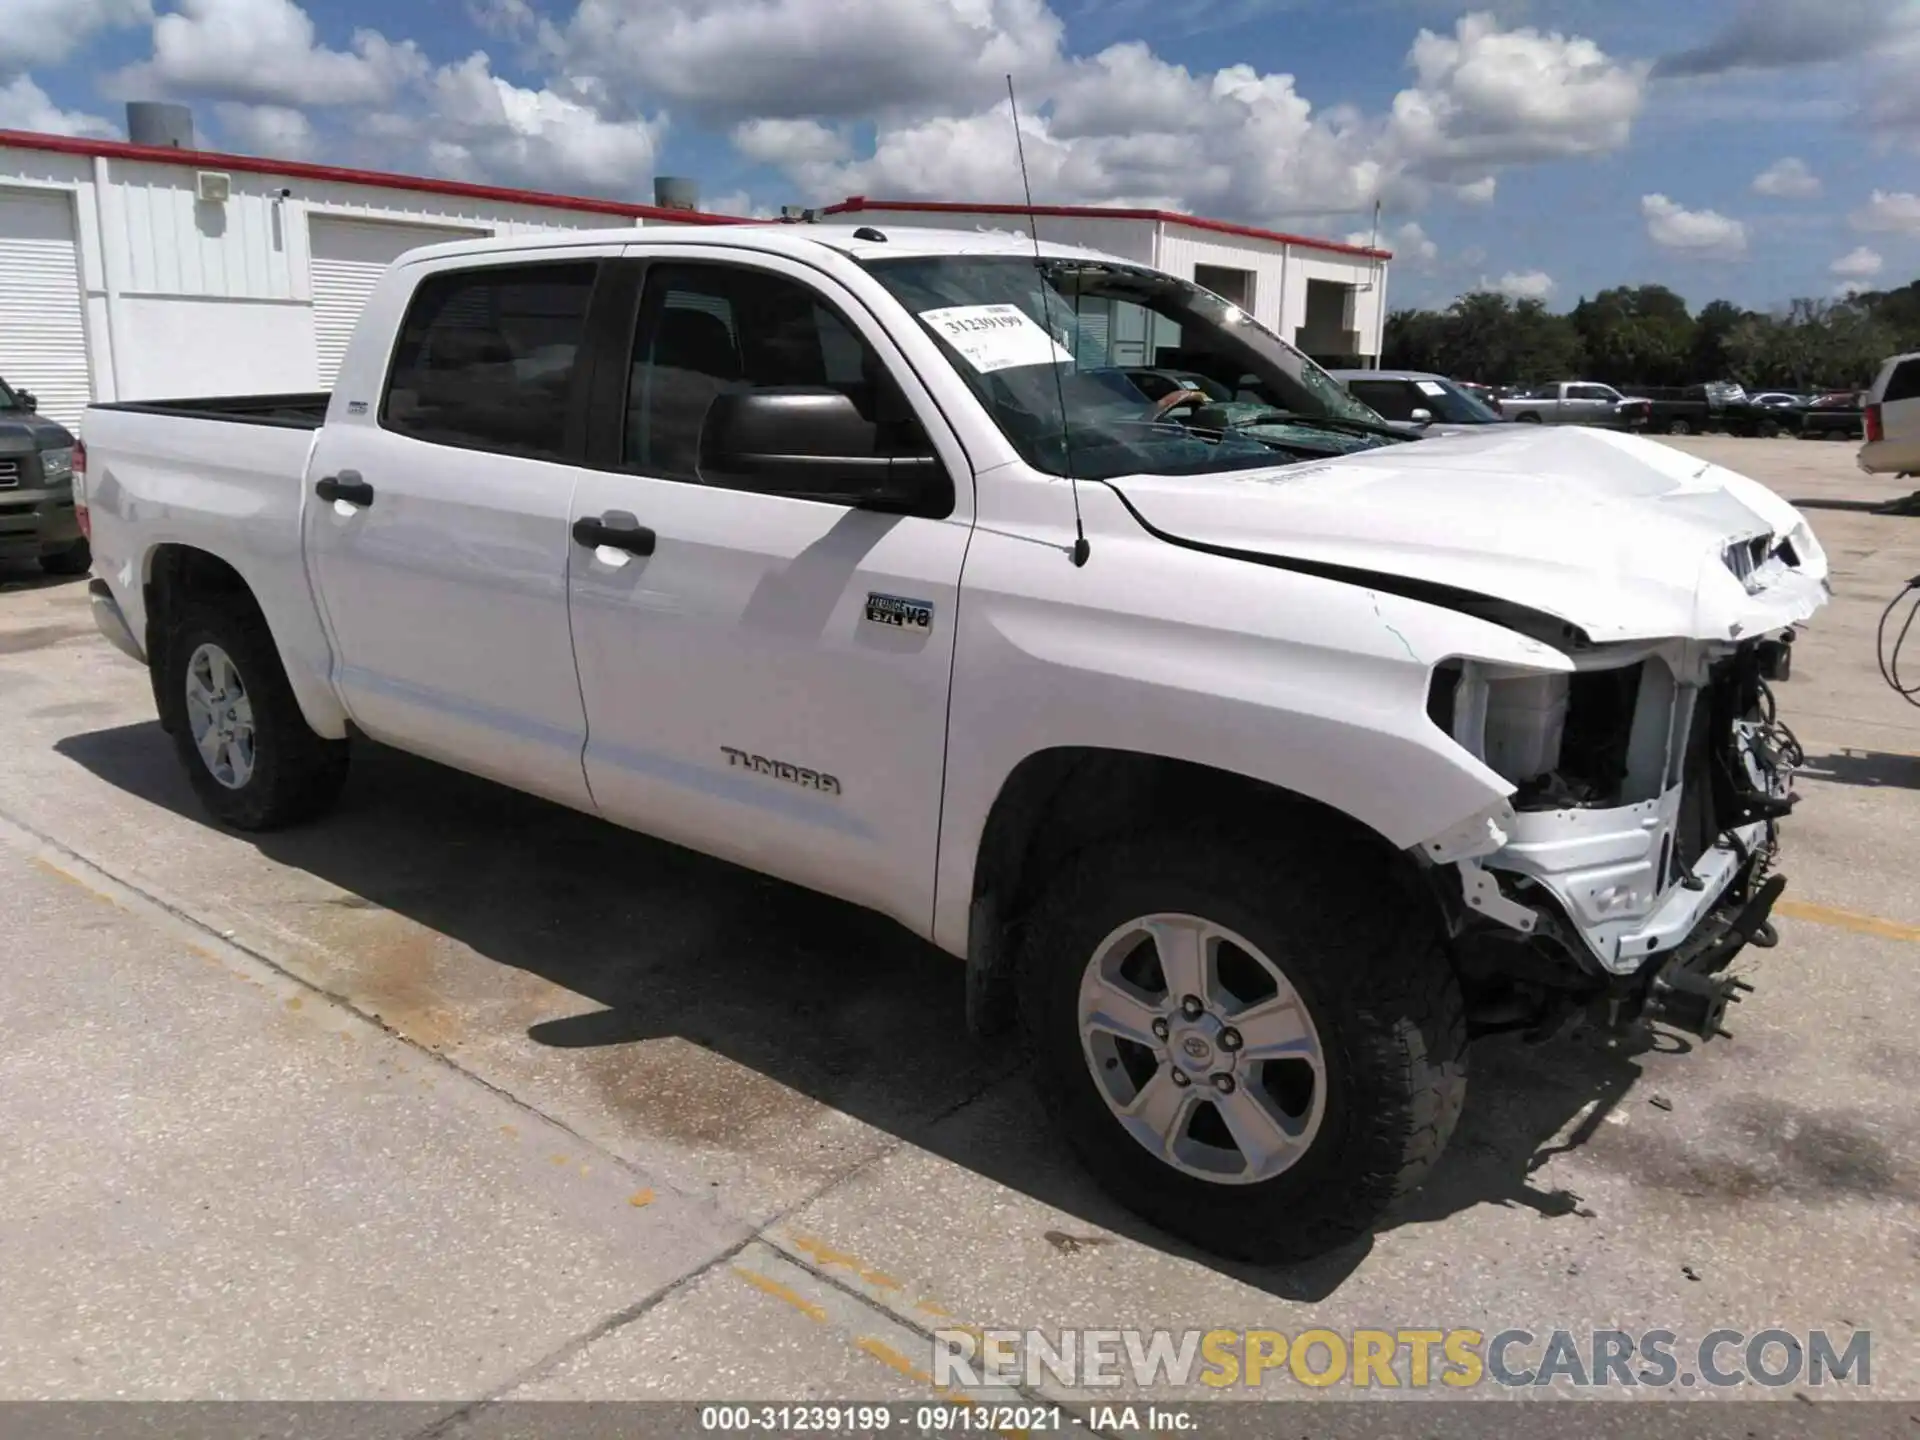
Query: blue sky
x=1541, y=147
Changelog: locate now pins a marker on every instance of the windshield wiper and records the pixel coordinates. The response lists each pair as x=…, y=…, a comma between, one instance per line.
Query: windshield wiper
x=1323, y=422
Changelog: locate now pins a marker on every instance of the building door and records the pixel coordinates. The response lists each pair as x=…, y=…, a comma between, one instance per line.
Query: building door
x=43, y=337
x=1229, y=284
x=347, y=257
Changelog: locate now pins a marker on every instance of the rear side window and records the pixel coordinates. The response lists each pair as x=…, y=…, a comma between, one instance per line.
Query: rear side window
x=1390, y=399
x=1904, y=382
x=486, y=358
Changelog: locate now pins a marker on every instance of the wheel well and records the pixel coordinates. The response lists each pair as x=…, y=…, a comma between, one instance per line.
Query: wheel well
x=177, y=576
x=1059, y=802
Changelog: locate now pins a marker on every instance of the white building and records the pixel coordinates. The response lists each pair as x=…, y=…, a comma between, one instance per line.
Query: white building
x=146, y=272
x=140, y=272
x=1327, y=298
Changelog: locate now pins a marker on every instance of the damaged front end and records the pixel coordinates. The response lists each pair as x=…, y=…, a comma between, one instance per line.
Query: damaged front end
x=1634, y=858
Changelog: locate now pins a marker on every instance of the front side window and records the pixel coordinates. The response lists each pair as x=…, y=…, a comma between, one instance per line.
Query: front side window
x=1393, y=399
x=7, y=401
x=1053, y=350
x=486, y=358
x=707, y=331
x=1445, y=400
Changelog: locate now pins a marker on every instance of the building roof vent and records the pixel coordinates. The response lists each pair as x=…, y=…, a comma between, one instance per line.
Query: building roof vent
x=152, y=122
x=673, y=192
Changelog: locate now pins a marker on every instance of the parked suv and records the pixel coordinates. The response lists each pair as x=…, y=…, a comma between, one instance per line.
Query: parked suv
x=36, y=489
x=1893, y=419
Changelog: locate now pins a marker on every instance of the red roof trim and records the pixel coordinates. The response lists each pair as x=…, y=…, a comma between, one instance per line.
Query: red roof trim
x=379, y=179
x=1101, y=212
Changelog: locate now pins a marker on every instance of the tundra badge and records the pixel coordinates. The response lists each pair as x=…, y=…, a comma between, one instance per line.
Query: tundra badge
x=897, y=610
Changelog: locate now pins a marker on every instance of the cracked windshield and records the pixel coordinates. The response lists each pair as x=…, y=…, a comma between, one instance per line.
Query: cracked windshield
x=1099, y=370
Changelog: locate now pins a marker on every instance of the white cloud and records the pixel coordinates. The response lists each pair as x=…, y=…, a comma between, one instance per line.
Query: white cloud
x=1787, y=179
x=1126, y=126
x=1860, y=264
x=1702, y=234
x=788, y=142
x=265, y=52
x=25, y=106
x=742, y=59
x=483, y=127
x=738, y=202
x=1490, y=96
x=1897, y=211
x=45, y=32
x=1521, y=285
x=272, y=130
x=1412, y=247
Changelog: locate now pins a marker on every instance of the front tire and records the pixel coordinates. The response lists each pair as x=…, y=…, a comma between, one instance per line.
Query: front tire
x=1529, y=418
x=1316, y=1080
x=248, y=751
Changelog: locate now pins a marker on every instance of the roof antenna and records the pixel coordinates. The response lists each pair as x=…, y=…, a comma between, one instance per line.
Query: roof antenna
x=1081, y=550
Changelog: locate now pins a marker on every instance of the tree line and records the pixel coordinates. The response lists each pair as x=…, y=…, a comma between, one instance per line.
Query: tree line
x=1645, y=335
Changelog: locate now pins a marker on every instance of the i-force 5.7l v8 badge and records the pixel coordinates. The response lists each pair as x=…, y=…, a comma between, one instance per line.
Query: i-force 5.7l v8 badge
x=900, y=611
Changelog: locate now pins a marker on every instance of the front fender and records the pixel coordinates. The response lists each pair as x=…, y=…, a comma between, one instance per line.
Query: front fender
x=1313, y=685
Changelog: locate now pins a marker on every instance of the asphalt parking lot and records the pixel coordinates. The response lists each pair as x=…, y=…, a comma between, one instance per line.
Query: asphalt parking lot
x=459, y=1095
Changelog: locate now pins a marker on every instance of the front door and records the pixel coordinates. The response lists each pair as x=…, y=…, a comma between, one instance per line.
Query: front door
x=768, y=681
x=439, y=537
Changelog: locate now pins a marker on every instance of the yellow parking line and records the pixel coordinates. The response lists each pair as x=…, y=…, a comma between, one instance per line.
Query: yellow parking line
x=1847, y=920
x=782, y=1292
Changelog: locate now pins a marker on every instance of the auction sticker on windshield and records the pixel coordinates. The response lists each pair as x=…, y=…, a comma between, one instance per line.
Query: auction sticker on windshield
x=995, y=337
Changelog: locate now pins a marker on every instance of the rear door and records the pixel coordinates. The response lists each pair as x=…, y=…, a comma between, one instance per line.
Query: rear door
x=768, y=682
x=1588, y=405
x=437, y=530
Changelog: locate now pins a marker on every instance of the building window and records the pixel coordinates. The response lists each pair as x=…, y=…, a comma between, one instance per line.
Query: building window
x=1234, y=286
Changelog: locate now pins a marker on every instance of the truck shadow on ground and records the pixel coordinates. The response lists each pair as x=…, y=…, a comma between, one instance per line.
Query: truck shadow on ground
x=837, y=1005
x=27, y=575
x=1874, y=769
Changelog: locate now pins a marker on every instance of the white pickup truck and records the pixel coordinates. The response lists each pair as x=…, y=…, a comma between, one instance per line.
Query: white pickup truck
x=1252, y=756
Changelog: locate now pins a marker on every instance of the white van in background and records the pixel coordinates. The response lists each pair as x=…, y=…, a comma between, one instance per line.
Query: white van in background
x=1893, y=419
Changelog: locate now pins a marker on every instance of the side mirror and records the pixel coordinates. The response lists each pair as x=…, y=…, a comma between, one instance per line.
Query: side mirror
x=1421, y=417
x=28, y=400
x=809, y=442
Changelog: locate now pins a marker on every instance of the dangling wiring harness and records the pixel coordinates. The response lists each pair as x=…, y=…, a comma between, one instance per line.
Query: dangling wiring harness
x=1890, y=658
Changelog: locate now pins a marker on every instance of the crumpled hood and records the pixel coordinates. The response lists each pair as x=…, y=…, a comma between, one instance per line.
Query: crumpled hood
x=1624, y=537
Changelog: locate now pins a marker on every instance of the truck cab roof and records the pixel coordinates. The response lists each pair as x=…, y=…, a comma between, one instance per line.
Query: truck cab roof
x=791, y=238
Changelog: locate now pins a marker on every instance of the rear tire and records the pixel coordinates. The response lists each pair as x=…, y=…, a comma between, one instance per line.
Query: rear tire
x=76, y=559
x=1364, y=957
x=1527, y=419
x=1679, y=427
x=1767, y=429
x=249, y=752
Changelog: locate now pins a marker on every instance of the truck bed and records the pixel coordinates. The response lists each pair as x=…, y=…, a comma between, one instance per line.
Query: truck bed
x=300, y=411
